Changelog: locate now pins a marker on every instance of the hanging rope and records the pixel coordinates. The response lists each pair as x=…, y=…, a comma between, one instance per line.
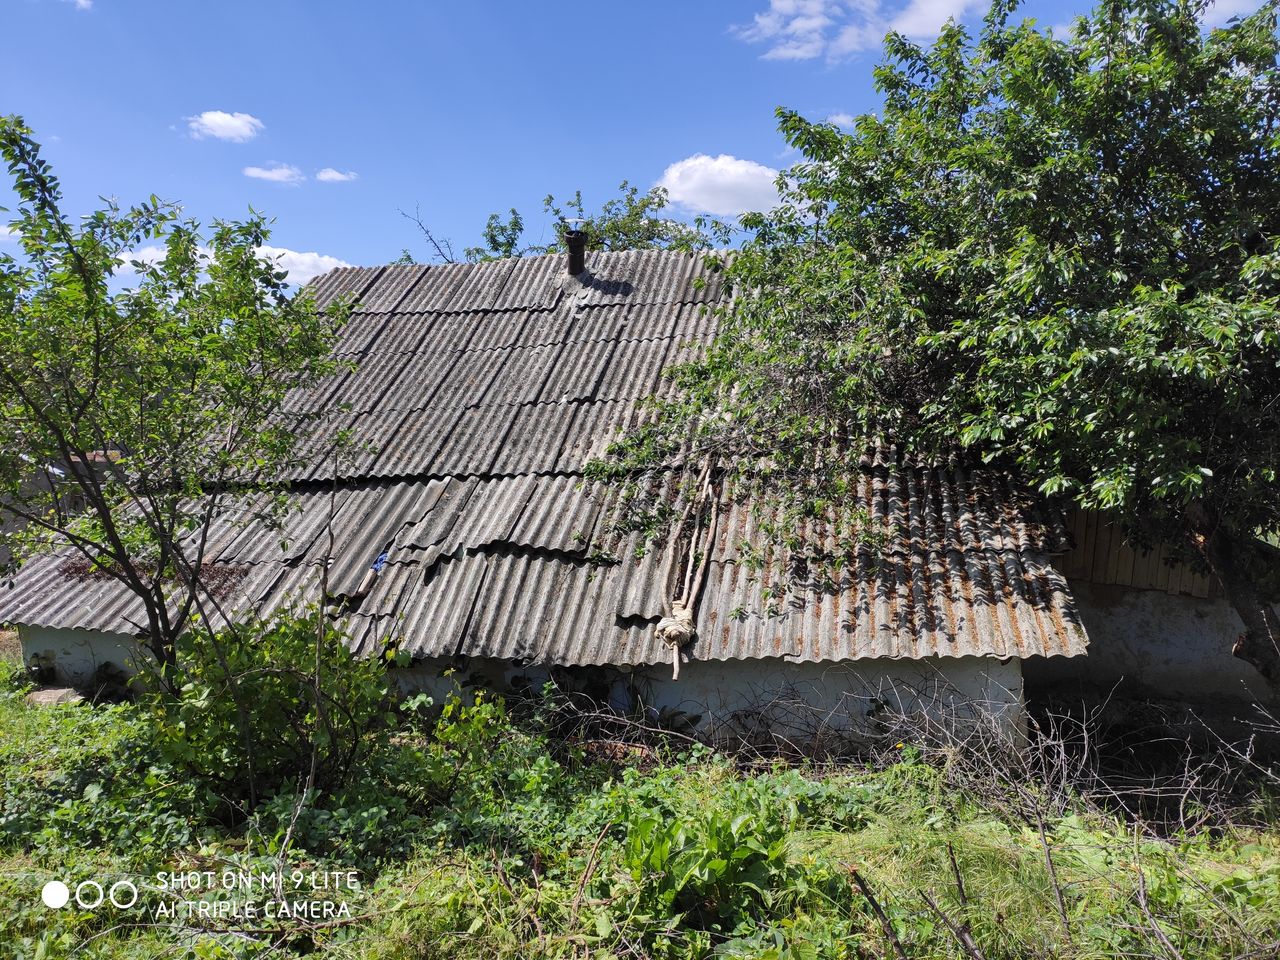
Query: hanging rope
x=677, y=629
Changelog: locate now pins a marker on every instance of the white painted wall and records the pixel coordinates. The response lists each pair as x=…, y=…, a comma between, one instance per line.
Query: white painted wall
x=76, y=654
x=1157, y=645
x=760, y=699
x=755, y=699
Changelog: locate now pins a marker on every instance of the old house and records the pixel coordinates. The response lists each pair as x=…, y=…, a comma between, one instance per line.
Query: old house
x=461, y=527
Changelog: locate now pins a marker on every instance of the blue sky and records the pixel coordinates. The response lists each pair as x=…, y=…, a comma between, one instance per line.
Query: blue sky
x=332, y=117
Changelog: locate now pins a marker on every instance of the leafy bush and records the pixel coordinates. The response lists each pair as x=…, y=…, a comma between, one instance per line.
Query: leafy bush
x=359, y=825
x=718, y=869
x=76, y=776
x=471, y=778
x=251, y=716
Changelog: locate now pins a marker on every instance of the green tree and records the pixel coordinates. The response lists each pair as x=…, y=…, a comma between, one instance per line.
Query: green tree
x=129, y=417
x=1059, y=253
x=501, y=238
x=630, y=221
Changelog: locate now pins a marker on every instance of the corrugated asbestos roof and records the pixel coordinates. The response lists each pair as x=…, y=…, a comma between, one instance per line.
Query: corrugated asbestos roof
x=477, y=394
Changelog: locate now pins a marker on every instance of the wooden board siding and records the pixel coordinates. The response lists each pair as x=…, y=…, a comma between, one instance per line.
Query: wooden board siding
x=1101, y=556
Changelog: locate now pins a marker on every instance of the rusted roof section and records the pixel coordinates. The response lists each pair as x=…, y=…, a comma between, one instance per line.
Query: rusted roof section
x=476, y=393
x=952, y=563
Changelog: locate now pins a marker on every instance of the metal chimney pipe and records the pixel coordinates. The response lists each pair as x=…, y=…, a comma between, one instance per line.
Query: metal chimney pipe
x=576, y=241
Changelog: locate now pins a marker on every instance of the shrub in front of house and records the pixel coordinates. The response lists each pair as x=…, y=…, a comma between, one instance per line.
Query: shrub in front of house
x=273, y=705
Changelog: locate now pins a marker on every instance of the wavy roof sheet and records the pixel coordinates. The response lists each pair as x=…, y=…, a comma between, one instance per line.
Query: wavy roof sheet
x=477, y=394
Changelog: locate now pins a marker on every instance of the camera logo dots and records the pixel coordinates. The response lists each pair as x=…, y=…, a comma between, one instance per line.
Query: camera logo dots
x=55, y=894
x=89, y=894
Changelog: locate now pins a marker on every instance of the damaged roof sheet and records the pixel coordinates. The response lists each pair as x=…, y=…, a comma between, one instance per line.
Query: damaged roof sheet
x=477, y=393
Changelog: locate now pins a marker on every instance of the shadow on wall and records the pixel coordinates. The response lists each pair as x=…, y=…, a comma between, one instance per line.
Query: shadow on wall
x=1152, y=644
x=769, y=704
x=83, y=659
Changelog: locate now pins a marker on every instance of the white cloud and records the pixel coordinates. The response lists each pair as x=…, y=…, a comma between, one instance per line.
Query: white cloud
x=723, y=186
x=330, y=175
x=277, y=173
x=794, y=29
x=807, y=29
x=82, y=4
x=845, y=120
x=236, y=127
x=834, y=29
x=923, y=19
x=301, y=267
x=7, y=235
x=148, y=255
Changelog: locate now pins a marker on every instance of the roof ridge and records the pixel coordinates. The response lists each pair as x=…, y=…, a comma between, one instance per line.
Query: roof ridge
x=493, y=262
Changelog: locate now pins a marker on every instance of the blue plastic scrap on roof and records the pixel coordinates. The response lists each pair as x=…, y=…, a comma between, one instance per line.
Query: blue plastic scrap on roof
x=381, y=561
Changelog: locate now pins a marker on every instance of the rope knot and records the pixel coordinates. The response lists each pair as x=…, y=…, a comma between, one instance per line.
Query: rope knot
x=676, y=630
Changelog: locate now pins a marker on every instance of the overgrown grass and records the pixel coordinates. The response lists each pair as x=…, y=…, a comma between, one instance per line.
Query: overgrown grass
x=477, y=835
